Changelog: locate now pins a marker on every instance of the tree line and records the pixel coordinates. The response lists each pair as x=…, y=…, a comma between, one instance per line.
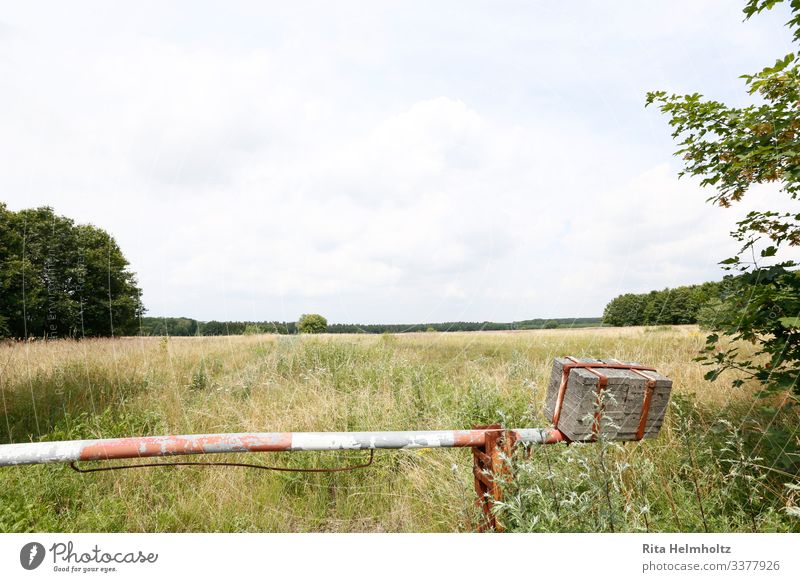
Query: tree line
x=62, y=279
x=182, y=326
x=687, y=304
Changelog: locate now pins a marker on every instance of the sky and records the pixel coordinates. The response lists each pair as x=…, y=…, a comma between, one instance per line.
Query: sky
x=377, y=162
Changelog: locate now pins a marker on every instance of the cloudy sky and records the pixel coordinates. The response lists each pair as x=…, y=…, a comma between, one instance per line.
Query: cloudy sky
x=376, y=161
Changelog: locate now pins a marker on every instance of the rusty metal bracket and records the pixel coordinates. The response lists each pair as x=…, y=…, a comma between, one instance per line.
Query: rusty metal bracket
x=491, y=470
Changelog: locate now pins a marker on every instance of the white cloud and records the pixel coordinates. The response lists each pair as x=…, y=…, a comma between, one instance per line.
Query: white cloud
x=432, y=163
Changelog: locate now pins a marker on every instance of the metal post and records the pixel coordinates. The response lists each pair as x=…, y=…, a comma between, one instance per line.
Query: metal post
x=491, y=470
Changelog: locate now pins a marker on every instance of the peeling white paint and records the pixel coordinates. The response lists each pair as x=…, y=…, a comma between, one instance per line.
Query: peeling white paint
x=34, y=453
x=325, y=441
x=532, y=436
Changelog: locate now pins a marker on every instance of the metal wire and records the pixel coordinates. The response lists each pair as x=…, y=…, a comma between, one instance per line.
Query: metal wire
x=73, y=465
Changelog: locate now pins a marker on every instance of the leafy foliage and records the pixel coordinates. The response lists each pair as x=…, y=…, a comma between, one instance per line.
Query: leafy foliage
x=61, y=279
x=180, y=326
x=312, y=323
x=679, y=305
x=732, y=149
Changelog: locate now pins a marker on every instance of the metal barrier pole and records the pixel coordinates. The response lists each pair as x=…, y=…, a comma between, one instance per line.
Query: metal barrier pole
x=165, y=446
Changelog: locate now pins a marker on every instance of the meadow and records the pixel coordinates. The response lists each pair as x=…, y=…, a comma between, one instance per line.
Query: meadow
x=724, y=461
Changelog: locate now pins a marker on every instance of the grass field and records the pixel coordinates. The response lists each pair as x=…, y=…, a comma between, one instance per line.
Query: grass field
x=721, y=463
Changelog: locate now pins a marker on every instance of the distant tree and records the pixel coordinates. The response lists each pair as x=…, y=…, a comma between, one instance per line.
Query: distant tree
x=173, y=326
x=252, y=329
x=679, y=305
x=212, y=327
x=176, y=326
x=312, y=323
x=61, y=279
x=627, y=309
x=550, y=324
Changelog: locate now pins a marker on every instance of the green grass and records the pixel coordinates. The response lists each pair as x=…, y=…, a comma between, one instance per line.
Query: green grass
x=721, y=462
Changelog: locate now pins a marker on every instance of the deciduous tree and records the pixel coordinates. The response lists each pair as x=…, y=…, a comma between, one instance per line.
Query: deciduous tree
x=61, y=279
x=312, y=323
x=732, y=149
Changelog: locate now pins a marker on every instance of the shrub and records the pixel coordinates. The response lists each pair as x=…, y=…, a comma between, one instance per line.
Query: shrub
x=312, y=323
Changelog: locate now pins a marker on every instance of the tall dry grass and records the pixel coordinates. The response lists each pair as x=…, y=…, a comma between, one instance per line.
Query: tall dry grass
x=720, y=464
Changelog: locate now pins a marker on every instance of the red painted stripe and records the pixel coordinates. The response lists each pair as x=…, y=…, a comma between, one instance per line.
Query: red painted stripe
x=469, y=438
x=555, y=436
x=127, y=448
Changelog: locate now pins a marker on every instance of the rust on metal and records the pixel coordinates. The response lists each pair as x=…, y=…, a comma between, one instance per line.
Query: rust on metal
x=648, y=398
x=165, y=446
x=128, y=448
x=602, y=384
x=468, y=438
x=555, y=436
x=491, y=469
